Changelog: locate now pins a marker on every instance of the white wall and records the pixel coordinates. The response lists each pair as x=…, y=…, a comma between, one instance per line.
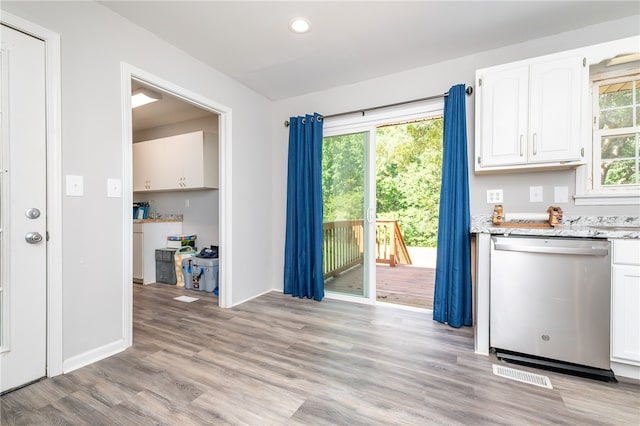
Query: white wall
x=433, y=80
x=94, y=42
x=201, y=217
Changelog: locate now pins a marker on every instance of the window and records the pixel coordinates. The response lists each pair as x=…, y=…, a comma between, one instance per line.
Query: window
x=616, y=135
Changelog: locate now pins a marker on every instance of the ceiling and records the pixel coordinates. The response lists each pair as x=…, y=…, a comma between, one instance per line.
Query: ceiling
x=350, y=41
x=168, y=110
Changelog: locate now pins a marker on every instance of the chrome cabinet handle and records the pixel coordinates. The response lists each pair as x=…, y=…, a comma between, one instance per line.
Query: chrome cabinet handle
x=535, y=143
x=521, y=145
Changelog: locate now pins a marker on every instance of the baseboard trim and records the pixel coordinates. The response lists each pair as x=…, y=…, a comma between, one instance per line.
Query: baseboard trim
x=93, y=355
x=252, y=297
x=626, y=370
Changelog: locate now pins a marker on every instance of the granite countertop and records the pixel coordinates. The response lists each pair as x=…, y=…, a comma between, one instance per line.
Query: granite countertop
x=576, y=226
x=172, y=218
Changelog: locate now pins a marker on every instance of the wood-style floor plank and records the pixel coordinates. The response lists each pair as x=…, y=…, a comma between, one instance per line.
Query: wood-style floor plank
x=278, y=360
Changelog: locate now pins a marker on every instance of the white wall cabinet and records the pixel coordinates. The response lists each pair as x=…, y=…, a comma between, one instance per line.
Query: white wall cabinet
x=147, y=237
x=625, y=302
x=181, y=162
x=528, y=114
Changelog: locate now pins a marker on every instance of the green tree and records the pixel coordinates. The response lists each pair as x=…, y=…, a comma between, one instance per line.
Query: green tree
x=408, y=176
x=343, y=177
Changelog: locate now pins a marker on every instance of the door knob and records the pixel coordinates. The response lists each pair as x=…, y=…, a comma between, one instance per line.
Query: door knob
x=33, y=237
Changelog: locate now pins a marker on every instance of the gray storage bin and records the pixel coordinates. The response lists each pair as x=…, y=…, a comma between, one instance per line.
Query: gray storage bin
x=165, y=266
x=200, y=274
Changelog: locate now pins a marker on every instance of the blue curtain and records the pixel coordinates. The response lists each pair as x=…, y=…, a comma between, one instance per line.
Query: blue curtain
x=452, y=294
x=303, y=272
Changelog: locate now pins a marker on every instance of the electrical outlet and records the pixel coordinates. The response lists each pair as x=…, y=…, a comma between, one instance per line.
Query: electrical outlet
x=494, y=196
x=536, y=194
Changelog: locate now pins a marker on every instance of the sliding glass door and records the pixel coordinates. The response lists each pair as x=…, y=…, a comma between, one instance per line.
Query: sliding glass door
x=346, y=228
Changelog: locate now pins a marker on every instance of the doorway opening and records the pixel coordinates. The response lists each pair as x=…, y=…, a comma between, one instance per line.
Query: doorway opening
x=175, y=185
x=218, y=206
x=408, y=179
x=381, y=189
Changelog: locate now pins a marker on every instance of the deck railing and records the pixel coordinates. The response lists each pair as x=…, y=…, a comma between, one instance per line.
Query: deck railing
x=343, y=245
x=390, y=246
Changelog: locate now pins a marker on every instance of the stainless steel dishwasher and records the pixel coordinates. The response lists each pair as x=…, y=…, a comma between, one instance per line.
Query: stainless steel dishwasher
x=550, y=298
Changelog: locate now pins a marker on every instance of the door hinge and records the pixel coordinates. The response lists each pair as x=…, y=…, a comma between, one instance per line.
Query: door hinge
x=582, y=152
x=478, y=160
x=479, y=82
x=47, y=236
x=584, y=62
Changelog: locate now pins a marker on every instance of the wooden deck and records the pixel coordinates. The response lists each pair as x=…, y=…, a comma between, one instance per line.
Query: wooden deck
x=403, y=284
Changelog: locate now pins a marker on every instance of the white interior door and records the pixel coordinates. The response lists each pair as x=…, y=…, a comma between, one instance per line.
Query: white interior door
x=23, y=286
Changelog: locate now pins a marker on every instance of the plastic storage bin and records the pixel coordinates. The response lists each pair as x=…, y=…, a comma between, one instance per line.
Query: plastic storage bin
x=165, y=266
x=200, y=274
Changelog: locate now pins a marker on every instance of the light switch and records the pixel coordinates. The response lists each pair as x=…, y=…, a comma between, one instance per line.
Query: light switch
x=114, y=188
x=535, y=194
x=561, y=194
x=75, y=186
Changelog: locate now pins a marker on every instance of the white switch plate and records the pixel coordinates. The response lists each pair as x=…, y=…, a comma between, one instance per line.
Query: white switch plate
x=114, y=188
x=535, y=194
x=75, y=186
x=560, y=194
x=494, y=196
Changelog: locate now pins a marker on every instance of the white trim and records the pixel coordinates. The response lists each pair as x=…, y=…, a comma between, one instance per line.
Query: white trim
x=585, y=195
x=606, y=199
x=625, y=370
x=54, y=185
x=392, y=305
x=348, y=298
x=255, y=297
x=127, y=73
x=94, y=355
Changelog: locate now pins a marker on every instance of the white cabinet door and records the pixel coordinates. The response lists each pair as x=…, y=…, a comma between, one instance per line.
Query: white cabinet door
x=191, y=161
x=138, y=256
x=554, y=114
x=141, y=166
x=625, y=318
x=504, y=112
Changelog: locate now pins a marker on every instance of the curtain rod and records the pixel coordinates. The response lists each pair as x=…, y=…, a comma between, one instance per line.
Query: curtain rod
x=468, y=91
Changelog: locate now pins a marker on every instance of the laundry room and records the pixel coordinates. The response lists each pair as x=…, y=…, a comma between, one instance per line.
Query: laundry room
x=175, y=190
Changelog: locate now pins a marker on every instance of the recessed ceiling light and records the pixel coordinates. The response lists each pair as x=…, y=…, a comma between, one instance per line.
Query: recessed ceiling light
x=300, y=25
x=144, y=96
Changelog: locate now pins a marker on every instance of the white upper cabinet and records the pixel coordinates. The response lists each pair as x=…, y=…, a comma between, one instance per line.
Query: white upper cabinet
x=188, y=161
x=503, y=111
x=528, y=114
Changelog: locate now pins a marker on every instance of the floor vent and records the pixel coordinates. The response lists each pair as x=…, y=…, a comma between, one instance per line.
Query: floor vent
x=522, y=376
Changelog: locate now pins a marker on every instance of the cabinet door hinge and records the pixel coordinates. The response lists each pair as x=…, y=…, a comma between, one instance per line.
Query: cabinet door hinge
x=478, y=160
x=479, y=82
x=584, y=62
x=582, y=152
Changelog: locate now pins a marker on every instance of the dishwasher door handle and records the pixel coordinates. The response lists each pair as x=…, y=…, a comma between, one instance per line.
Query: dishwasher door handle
x=585, y=251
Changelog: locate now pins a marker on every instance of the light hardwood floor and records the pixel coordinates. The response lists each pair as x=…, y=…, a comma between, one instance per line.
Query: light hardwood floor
x=282, y=360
